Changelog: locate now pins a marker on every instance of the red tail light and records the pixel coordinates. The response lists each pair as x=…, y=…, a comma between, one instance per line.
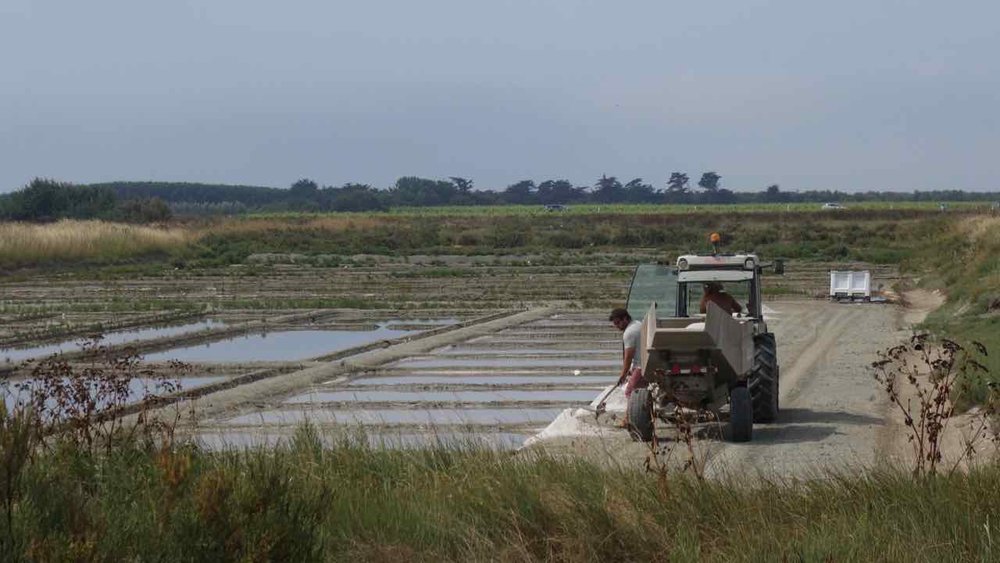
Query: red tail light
x=675, y=369
x=695, y=369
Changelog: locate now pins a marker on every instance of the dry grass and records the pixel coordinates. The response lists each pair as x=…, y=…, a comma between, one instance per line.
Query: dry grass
x=983, y=228
x=984, y=234
x=23, y=244
x=321, y=223
x=976, y=257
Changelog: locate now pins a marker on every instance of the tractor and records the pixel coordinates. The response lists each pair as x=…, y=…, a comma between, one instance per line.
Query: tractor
x=695, y=354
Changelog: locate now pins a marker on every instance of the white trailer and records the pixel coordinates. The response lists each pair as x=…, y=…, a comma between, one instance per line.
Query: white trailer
x=851, y=286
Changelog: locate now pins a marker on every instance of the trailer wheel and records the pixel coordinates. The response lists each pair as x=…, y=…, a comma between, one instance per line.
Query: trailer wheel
x=640, y=415
x=740, y=414
x=764, y=380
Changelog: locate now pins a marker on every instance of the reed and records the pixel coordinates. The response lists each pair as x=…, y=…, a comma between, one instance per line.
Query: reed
x=26, y=244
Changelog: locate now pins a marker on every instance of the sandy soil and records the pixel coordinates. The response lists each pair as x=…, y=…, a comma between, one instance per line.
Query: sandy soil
x=833, y=415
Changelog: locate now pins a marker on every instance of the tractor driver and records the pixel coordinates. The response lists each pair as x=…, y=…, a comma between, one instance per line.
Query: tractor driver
x=715, y=293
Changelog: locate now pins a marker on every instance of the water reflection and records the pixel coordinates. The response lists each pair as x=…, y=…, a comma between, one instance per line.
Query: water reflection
x=280, y=346
x=112, y=338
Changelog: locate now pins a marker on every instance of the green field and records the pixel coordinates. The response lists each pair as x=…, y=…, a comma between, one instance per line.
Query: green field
x=873, y=232
x=672, y=209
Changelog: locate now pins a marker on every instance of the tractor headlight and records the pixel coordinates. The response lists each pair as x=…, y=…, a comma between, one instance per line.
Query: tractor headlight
x=749, y=264
x=682, y=264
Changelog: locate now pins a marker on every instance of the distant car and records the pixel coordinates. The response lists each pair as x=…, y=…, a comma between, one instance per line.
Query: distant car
x=833, y=206
x=555, y=207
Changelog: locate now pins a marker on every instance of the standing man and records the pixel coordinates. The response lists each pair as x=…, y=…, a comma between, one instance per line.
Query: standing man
x=631, y=335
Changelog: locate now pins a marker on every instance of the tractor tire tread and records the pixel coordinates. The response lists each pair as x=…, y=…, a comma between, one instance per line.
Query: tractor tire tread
x=764, y=379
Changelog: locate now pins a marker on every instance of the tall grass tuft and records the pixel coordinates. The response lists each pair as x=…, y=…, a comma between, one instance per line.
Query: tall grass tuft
x=18, y=438
x=25, y=244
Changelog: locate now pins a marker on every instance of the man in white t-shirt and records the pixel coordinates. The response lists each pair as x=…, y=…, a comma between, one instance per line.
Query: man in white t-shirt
x=631, y=373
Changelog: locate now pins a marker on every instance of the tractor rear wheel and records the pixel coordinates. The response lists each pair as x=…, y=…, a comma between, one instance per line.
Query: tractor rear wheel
x=740, y=414
x=640, y=414
x=764, y=379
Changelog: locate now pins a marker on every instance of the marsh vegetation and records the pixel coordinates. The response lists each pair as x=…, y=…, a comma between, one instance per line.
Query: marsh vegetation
x=317, y=497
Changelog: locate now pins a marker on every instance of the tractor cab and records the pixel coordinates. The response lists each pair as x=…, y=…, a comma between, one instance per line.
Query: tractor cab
x=735, y=274
x=678, y=290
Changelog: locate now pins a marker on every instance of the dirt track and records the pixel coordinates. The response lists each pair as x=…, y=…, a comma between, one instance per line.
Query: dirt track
x=833, y=415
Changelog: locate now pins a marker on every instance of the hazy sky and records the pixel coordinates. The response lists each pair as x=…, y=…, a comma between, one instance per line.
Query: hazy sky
x=849, y=95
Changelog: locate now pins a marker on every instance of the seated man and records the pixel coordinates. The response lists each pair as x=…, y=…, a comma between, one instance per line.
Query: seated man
x=716, y=294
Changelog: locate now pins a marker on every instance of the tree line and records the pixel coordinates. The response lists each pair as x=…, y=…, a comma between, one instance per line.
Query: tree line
x=49, y=200
x=44, y=199
x=411, y=191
